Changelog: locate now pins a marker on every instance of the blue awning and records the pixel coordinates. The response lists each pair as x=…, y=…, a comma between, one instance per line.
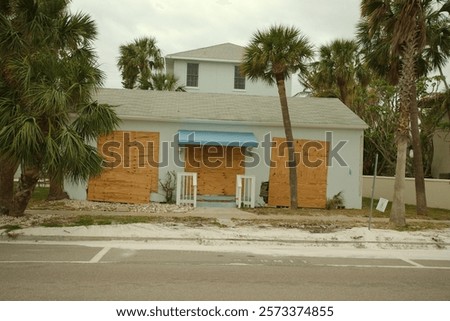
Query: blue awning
x=200, y=137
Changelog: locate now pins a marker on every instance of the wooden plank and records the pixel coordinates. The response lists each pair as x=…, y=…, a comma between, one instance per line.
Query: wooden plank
x=134, y=177
x=312, y=173
x=216, y=166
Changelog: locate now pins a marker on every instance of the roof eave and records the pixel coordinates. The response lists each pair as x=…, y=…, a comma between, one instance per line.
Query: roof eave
x=244, y=122
x=231, y=61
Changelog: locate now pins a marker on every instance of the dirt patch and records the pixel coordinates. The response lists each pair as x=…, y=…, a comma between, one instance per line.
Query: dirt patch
x=76, y=213
x=335, y=223
x=75, y=205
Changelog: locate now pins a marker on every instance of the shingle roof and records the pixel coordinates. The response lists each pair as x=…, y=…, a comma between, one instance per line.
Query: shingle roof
x=204, y=107
x=223, y=52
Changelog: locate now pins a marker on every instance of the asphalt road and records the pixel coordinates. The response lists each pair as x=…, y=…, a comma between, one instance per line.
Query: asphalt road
x=73, y=272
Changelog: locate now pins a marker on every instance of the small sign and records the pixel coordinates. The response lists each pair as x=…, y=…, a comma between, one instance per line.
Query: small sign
x=382, y=204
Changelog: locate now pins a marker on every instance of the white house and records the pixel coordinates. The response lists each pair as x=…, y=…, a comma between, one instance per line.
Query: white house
x=215, y=69
x=440, y=167
x=216, y=137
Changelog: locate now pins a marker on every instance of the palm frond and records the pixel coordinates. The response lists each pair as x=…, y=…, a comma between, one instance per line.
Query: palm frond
x=278, y=50
x=22, y=139
x=95, y=120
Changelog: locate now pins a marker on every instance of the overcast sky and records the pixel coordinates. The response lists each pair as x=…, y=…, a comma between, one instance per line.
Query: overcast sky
x=180, y=25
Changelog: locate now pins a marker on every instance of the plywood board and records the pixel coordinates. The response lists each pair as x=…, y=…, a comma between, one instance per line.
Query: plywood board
x=131, y=171
x=312, y=173
x=216, y=167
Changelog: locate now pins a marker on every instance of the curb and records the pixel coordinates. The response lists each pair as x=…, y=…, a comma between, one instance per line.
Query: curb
x=3, y=238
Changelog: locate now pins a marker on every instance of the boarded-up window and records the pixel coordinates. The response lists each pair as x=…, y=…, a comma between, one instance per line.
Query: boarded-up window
x=216, y=167
x=311, y=173
x=131, y=168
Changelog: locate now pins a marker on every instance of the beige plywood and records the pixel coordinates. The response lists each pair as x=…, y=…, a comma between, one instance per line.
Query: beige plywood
x=216, y=168
x=311, y=173
x=131, y=170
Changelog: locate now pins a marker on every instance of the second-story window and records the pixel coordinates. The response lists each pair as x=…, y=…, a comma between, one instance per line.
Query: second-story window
x=239, y=79
x=192, y=75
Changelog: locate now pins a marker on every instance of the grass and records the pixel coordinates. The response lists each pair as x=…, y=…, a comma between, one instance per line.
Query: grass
x=302, y=218
x=433, y=213
x=40, y=193
x=87, y=220
x=10, y=227
x=410, y=211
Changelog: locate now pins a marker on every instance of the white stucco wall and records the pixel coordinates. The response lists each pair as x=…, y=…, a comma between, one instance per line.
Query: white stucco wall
x=218, y=77
x=441, y=157
x=341, y=177
x=437, y=190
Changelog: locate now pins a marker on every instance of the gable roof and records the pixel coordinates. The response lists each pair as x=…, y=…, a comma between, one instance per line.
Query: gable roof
x=226, y=52
x=209, y=108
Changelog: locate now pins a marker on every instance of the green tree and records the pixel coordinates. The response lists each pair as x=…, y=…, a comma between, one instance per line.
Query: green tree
x=273, y=55
x=137, y=61
x=437, y=49
x=379, y=112
x=397, y=30
x=165, y=82
x=47, y=78
x=338, y=73
x=433, y=106
x=405, y=39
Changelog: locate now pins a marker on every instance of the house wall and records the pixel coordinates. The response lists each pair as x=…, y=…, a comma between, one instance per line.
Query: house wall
x=440, y=167
x=218, y=77
x=344, y=171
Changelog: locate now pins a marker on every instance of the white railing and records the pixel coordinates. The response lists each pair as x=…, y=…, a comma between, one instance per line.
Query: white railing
x=245, y=191
x=187, y=189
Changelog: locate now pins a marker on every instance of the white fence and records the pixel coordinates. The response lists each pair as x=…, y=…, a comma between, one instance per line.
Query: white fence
x=245, y=191
x=187, y=189
x=437, y=190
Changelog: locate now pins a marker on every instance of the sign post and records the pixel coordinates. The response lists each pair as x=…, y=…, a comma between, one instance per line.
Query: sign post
x=373, y=190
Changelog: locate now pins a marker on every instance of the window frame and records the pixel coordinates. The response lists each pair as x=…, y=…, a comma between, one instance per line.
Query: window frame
x=192, y=75
x=239, y=79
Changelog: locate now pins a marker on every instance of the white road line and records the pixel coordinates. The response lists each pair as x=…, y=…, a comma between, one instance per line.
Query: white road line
x=387, y=266
x=412, y=263
x=100, y=255
x=44, y=262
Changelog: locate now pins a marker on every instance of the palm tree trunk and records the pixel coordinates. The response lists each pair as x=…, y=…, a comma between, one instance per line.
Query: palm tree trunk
x=398, y=202
x=56, y=191
x=7, y=171
x=27, y=183
x=407, y=96
x=289, y=140
x=421, y=199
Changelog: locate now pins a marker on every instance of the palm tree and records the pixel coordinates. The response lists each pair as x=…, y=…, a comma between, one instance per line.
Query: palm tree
x=397, y=30
x=437, y=50
x=431, y=20
x=47, y=77
x=339, y=72
x=273, y=55
x=137, y=61
x=165, y=82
